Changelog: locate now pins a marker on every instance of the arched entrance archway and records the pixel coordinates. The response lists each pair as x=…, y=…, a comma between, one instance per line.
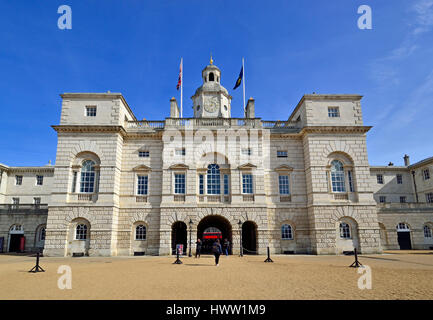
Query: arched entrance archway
x=249, y=237
x=211, y=228
x=16, y=238
x=178, y=236
x=403, y=236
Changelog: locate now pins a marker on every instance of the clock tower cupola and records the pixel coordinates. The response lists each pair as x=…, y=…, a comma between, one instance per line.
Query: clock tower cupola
x=211, y=100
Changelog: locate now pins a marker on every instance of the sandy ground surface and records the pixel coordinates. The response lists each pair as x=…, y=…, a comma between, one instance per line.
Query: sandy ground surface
x=395, y=275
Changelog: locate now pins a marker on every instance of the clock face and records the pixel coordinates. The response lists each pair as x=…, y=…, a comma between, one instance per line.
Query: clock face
x=211, y=105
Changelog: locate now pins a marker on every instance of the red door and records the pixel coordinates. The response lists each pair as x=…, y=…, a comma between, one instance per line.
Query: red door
x=22, y=243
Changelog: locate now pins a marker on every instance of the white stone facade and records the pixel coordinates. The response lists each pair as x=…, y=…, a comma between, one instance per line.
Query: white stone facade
x=150, y=186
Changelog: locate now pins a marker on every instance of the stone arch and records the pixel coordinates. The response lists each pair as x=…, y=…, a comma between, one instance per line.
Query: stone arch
x=76, y=213
x=347, y=244
x=337, y=147
x=215, y=221
x=344, y=157
x=139, y=216
x=78, y=246
x=345, y=211
x=139, y=246
x=39, y=244
x=86, y=146
x=212, y=157
x=78, y=159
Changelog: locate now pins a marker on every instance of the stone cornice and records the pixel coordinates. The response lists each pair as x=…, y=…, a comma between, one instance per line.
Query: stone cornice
x=49, y=169
x=95, y=128
x=335, y=129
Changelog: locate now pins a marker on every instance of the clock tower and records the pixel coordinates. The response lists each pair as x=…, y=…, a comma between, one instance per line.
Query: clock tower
x=211, y=100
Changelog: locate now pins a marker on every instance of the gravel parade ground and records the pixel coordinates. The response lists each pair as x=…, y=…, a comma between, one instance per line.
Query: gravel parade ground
x=395, y=275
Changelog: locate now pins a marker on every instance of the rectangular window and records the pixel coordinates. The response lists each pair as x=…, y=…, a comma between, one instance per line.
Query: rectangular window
x=426, y=174
x=74, y=181
x=226, y=184
x=201, y=184
x=337, y=181
x=281, y=154
x=402, y=199
x=87, y=184
x=91, y=111
x=143, y=154
x=351, y=185
x=39, y=180
x=399, y=179
x=16, y=200
x=382, y=199
x=179, y=183
x=333, y=112
x=246, y=151
x=379, y=179
x=18, y=180
x=180, y=152
x=37, y=201
x=247, y=183
x=284, y=185
x=142, y=185
x=429, y=197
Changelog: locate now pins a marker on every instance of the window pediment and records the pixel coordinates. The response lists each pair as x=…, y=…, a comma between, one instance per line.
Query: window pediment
x=283, y=168
x=141, y=167
x=247, y=166
x=179, y=166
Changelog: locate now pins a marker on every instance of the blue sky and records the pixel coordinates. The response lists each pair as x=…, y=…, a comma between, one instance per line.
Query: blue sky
x=290, y=47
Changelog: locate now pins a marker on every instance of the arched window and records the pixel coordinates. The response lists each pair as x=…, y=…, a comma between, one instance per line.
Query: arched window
x=213, y=179
x=140, y=232
x=337, y=176
x=87, y=184
x=211, y=77
x=81, y=232
x=344, y=231
x=427, y=232
x=286, y=232
x=41, y=236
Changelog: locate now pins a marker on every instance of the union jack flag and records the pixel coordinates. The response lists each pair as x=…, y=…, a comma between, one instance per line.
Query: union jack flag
x=179, y=81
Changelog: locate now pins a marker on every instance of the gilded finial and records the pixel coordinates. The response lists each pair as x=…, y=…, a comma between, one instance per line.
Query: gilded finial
x=211, y=60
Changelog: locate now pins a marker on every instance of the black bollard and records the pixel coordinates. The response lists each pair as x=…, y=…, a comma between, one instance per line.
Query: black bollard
x=177, y=258
x=356, y=264
x=268, y=259
x=37, y=267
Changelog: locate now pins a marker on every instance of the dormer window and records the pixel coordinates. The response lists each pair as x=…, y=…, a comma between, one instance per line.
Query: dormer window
x=211, y=77
x=333, y=112
x=91, y=111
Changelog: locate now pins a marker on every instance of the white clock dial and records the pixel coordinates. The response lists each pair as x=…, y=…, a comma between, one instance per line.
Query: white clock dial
x=211, y=105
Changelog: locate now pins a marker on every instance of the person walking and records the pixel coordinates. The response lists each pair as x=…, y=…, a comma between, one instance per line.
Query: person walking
x=226, y=247
x=217, y=250
x=198, y=248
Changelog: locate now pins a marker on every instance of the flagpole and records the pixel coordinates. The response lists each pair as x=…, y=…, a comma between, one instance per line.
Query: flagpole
x=243, y=82
x=181, y=87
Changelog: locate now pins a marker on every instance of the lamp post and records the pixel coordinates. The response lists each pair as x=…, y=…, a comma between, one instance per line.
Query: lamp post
x=240, y=239
x=190, y=228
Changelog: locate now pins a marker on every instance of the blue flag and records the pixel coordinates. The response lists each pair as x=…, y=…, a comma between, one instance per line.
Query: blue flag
x=239, y=80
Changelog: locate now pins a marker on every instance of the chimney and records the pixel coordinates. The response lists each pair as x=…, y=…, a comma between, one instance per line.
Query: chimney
x=406, y=160
x=174, y=109
x=250, y=109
